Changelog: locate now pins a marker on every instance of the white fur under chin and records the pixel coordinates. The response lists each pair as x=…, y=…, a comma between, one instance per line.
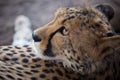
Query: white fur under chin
x=59, y=58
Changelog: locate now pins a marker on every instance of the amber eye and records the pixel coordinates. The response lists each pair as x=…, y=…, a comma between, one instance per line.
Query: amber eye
x=64, y=31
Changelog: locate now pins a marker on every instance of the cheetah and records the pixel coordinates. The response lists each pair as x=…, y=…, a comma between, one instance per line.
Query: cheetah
x=78, y=44
x=79, y=38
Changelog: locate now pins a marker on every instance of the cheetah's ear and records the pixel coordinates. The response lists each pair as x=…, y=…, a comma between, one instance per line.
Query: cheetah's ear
x=106, y=9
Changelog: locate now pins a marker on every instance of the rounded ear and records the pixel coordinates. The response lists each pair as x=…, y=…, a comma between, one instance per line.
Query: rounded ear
x=106, y=9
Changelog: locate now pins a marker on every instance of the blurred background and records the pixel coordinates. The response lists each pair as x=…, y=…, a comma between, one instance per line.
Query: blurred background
x=41, y=12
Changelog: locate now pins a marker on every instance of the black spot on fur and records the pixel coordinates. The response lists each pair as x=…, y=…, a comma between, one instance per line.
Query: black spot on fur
x=11, y=77
x=32, y=54
x=52, y=71
x=55, y=78
x=17, y=47
x=36, y=66
x=14, y=59
x=19, y=68
x=42, y=75
x=3, y=67
x=29, y=50
x=35, y=60
x=2, y=78
x=25, y=66
x=48, y=65
x=6, y=58
x=9, y=54
x=68, y=51
x=20, y=74
x=78, y=58
x=74, y=52
x=22, y=55
x=11, y=68
x=33, y=78
x=25, y=60
x=46, y=71
x=35, y=71
x=8, y=71
x=59, y=72
x=5, y=49
x=33, y=66
x=26, y=72
x=2, y=71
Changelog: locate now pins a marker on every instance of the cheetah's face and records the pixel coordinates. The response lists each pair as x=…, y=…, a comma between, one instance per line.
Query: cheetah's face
x=73, y=36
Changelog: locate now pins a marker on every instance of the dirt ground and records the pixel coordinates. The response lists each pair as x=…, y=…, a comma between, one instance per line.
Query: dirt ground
x=40, y=12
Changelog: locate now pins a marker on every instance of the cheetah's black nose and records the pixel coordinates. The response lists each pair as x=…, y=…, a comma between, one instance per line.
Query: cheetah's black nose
x=110, y=34
x=35, y=37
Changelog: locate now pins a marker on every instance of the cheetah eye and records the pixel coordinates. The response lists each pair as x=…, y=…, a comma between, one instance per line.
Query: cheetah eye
x=64, y=31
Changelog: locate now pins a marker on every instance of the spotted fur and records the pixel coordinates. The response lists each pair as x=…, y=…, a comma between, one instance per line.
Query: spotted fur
x=20, y=63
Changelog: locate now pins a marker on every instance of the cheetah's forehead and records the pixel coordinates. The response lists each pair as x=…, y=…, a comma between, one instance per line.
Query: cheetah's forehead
x=78, y=10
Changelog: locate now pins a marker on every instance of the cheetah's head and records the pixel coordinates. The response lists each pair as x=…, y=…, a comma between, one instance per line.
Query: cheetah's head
x=75, y=36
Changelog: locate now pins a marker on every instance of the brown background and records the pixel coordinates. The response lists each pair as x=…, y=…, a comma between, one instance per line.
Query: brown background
x=40, y=12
